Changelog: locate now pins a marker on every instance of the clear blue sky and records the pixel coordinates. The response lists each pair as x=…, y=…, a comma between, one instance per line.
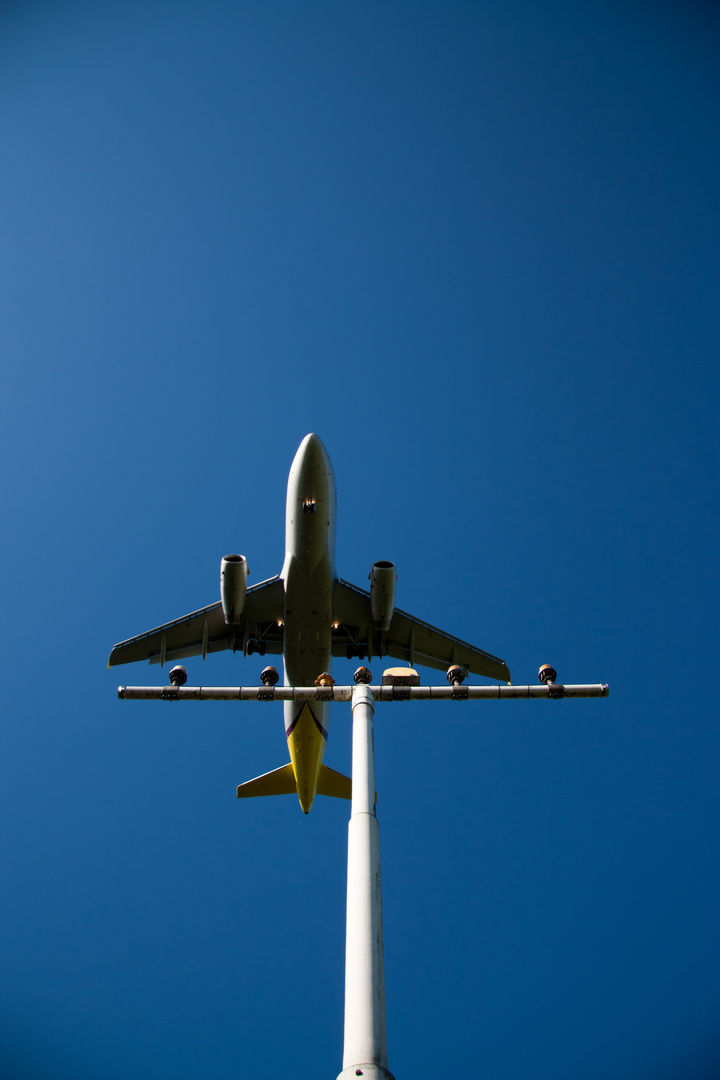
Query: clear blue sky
x=475, y=247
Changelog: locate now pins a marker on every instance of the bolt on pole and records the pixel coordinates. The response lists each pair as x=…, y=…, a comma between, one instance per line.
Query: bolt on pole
x=365, y=1043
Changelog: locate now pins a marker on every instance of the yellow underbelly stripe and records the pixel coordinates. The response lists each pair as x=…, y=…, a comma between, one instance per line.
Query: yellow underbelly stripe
x=306, y=744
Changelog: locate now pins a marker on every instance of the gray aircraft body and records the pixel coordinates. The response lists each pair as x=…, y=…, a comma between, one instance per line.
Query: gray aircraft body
x=308, y=615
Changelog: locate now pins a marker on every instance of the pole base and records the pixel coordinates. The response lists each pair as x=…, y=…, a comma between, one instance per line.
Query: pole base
x=367, y=1072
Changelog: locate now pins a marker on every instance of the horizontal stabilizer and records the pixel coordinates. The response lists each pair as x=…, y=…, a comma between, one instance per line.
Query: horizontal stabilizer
x=334, y=783
x=282, y=782
x=278, y=782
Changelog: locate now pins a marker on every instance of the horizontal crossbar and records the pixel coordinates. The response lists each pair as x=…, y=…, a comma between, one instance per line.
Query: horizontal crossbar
x=344, y=693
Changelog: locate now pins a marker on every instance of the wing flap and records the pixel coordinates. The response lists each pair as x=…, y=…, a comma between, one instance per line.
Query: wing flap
x=408, y=638
x=206, y=631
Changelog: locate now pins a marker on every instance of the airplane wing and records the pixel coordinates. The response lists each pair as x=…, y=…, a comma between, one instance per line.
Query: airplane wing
x=408, y=638
x=205, y=631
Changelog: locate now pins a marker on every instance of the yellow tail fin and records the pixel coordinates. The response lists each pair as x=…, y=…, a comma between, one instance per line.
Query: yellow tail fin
x=334, y=783
x=282, y=782
x=278, y=782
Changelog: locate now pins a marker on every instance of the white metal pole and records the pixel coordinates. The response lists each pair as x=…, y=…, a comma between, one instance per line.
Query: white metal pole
x=365, y=1049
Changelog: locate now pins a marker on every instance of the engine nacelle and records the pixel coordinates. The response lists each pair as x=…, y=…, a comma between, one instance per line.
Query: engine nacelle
x=382, y=594
x=233, y=587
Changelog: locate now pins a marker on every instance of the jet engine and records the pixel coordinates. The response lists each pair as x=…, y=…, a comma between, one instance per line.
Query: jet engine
x=382, y=594
x=233, y=587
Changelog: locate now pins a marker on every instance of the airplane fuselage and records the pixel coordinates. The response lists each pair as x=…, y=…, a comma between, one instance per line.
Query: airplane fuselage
x=308, y=575
x=307, y=613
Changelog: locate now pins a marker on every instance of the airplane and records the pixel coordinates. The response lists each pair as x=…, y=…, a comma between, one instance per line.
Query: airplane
x=307, y=614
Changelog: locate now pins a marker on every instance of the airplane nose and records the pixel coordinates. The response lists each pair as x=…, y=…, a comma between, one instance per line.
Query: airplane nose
x=312, y=454
x=312, y=463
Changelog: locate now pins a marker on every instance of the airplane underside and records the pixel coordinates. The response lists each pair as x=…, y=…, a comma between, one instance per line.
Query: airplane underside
x=308, y=615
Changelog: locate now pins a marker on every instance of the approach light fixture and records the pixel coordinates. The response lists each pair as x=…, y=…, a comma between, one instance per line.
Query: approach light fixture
x=269, y=676
x=178, y=675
